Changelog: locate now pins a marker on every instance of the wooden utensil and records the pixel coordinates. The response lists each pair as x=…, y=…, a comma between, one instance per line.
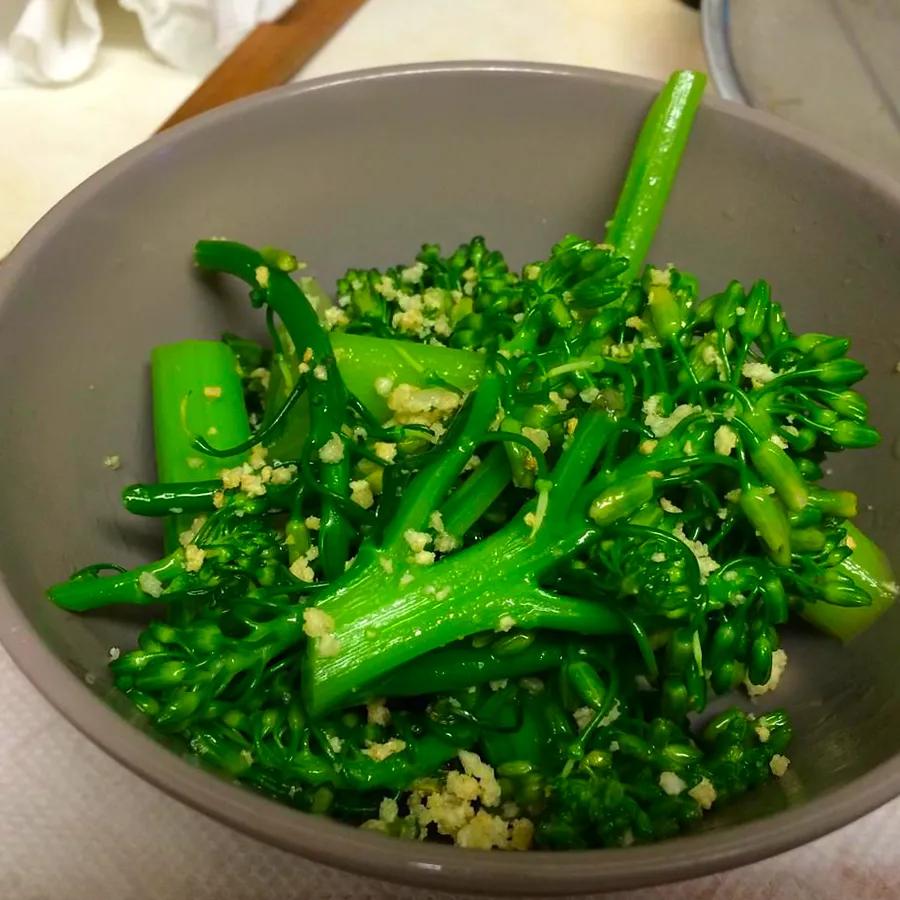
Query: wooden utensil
x=270, y=55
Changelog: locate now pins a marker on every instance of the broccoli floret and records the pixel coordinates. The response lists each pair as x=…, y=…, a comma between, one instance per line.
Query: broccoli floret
x=468, y=300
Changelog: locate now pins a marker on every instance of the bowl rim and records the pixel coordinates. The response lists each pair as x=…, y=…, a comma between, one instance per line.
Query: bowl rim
x=353, y=849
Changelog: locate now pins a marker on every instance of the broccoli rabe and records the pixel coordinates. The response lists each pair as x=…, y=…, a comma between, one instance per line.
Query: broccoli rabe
x=495, y=539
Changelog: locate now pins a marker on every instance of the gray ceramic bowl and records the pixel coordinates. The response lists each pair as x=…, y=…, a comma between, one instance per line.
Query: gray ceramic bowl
x=361, y=168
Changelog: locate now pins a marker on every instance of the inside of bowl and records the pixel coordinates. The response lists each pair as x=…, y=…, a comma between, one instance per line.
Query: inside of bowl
x=362, y=174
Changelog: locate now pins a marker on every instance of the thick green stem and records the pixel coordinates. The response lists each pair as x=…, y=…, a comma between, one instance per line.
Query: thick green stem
x=384, y=619
x=870, y=571
x=363, y=360
x=654, y=165
x=196, y=392
x=576, y=463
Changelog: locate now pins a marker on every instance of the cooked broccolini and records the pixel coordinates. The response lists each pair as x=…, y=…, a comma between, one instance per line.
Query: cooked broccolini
x=494, y=537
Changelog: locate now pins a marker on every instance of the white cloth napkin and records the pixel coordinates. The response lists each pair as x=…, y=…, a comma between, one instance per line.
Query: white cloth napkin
x=56, y=41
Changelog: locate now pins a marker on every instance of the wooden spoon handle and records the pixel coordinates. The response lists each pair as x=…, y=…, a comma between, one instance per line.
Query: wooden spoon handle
x=270, y=55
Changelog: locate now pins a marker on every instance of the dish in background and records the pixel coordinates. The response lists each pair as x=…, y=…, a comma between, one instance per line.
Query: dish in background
x=831, y=66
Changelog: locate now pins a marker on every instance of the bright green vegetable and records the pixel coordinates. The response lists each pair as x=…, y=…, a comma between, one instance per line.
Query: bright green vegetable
x=869, y=571
x=362, y=360
x=494, y=537
x=653, y=167
x=196, y=391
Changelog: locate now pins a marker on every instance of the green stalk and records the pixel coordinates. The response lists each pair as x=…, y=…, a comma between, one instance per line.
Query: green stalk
x=362, y=360
x=461, y=665
x=593, y=432
x=83, y=594
x=869, y=569
x=199, y=497
x=654, y=165
x=385, y=619
x=466, y=505
x=196, y=392
x=429, y=488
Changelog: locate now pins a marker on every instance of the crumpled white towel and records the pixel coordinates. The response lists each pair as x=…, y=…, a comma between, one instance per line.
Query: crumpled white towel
x=55, y=41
